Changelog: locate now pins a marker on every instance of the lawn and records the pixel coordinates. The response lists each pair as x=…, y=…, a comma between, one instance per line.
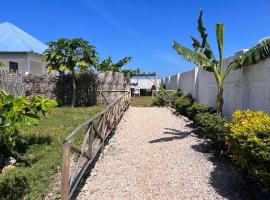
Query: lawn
x=143, y=101
x=41, y=153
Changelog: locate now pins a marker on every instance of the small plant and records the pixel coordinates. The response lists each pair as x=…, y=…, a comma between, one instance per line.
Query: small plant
x=248, y=140
x=212, y=125
x=181, y=104
x=16, y=112
x=160, y=100
x=195, y=109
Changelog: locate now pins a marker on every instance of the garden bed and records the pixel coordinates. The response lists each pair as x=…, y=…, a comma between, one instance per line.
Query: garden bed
x=40, y=151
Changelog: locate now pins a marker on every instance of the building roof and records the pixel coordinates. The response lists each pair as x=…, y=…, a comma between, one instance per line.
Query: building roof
x=13, y=39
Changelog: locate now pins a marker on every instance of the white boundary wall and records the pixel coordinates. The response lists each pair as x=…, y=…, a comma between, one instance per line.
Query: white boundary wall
x=246, y=88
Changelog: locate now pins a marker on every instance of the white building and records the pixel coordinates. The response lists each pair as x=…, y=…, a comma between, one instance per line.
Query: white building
x=20, y=51
x=145, y=83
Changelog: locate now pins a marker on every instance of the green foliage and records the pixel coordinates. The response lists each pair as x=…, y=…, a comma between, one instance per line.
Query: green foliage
x=16, y=112
x=253, y=56
x=203, y=56
x=177, y=93
x=68, y=55
x=161, y=99
x=41, y=150
x=13, y=186
x=130, y=72
x=181, y=104
x=248, y=139
x=2, y=65
x=108, y=65
x=195, y=109
x=212, y=126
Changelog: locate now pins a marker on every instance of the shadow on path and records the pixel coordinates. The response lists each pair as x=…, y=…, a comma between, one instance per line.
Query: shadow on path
x=225, y=179
x=177, y=135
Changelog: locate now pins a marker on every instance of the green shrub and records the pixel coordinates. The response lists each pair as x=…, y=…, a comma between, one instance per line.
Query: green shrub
x=181, y=104
x=195, y=109
x=41, y=153
x=159, y=101
x=177, y=93
x=212, y=126
x=13, y=186
x=248, y=140
x=16, y=112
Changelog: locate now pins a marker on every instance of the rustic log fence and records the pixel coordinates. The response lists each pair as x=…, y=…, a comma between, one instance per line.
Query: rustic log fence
x=93, y=134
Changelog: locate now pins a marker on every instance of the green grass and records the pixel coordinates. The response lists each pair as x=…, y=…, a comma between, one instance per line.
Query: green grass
x=41, y=149
x=143, y=101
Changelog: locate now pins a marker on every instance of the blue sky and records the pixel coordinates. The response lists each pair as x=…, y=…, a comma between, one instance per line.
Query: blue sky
x=143, y=29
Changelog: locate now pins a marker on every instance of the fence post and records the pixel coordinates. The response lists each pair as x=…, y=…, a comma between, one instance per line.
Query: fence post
x=65, y=171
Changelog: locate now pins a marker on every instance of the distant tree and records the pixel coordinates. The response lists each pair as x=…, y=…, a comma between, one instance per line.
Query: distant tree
x=68, y=56
x=108, y=65
x=130, y=72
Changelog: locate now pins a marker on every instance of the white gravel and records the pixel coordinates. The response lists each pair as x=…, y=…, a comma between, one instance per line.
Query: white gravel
x=153, y=155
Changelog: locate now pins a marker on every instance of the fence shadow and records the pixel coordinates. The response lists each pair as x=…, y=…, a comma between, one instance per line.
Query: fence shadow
x=225, y=179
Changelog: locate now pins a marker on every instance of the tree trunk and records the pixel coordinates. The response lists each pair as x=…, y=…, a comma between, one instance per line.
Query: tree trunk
x=220, y=100
x=73, y=90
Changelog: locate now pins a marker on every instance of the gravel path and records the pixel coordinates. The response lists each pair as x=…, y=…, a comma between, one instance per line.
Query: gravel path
x=155, y=155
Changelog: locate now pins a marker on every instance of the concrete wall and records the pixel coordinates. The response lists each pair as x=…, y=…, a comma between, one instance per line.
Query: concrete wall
x=246, y=88
x=28, y=63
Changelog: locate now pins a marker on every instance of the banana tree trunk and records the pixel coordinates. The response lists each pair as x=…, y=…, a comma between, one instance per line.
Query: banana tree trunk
x=220, y=100
x=73, y=90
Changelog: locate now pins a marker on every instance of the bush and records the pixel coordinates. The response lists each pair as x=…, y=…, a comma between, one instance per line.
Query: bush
x=181, y=104
x=13, y=186
x=195, y=109
x=212, y=125
x=159, y=101
x=16, y=112
x=248, y=139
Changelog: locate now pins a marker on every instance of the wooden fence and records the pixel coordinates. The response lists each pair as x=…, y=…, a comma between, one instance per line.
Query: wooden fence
x=86, y=142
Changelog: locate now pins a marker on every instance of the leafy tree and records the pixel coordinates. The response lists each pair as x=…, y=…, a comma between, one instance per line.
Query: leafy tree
x=203, y=56
x=108, y=65
x=130, y=72
x=16, y=112
x=68, y=56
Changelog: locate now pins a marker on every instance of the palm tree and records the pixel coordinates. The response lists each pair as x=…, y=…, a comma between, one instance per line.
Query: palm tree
x=203, y=56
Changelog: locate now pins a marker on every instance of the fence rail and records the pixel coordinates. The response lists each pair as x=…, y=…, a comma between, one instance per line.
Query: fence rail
x=94, y=132
x=167, y=96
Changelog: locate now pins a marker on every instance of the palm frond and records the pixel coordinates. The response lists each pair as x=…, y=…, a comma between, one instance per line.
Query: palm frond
x=197, y=58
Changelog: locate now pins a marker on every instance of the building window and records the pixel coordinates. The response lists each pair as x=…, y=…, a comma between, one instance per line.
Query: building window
x=13, y=66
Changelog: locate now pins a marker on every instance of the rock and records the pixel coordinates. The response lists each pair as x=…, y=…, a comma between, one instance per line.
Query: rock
x=10, y=161
x=7, y=169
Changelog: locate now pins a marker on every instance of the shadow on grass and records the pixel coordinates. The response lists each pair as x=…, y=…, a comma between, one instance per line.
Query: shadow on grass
x=24, y=143
x=177, y=135
x=225, y=179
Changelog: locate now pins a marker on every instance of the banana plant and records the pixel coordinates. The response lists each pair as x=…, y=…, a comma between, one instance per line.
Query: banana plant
x=203, y=56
